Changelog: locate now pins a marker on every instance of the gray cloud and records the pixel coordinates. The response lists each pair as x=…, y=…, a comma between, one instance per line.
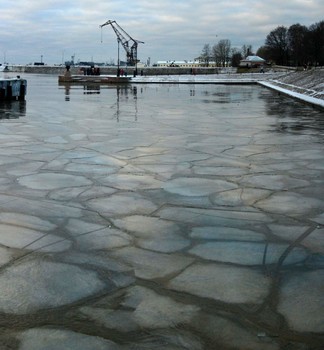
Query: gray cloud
x=171, y=30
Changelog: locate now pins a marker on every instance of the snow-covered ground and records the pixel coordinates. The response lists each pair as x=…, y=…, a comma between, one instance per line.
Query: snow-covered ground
x=309, y=82
x=307, y=86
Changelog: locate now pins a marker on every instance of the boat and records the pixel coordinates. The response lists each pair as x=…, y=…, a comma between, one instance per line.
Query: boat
x=4, y=68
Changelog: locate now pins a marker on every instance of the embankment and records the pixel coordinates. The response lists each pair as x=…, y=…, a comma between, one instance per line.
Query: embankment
x=106, y=70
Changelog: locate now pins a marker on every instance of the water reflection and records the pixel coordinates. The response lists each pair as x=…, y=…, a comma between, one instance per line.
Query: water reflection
x=88, y=89
x=12, y=109
x=125, y=99
x=291, y=116
x=91, y=89
x=123, y=93
x=228, y=94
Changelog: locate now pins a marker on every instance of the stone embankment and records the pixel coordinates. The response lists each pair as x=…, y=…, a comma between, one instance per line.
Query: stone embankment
x=310, y=82
x=306, y=86
x=111, y=70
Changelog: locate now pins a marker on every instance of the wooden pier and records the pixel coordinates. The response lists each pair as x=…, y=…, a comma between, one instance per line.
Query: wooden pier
x=12, y=89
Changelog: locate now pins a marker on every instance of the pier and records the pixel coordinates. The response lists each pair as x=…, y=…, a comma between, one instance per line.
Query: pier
x=13, y=89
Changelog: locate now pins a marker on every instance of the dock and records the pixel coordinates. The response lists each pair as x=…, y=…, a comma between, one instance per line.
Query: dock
x=90, y=79
x=12, y=89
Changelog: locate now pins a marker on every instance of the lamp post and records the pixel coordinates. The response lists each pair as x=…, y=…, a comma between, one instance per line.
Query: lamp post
x=118, y=69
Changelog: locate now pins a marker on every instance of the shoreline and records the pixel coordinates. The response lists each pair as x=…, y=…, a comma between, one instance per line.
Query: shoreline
x=305, y=86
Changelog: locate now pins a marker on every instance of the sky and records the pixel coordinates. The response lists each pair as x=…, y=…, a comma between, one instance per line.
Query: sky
x=53, y=31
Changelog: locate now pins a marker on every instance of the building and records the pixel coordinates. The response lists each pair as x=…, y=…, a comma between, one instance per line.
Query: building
x=252, y=62
x=185, y=64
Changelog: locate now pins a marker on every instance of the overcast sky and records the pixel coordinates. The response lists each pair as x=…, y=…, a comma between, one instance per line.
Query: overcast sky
x=54, y=30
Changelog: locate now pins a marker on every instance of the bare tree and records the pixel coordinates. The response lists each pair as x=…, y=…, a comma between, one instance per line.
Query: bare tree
x=264, y=53
x=277, y=44
x=206, y=54
x=222, y=51
x=236, y=57
x=297, y=41
x=316, y=40
x=246, y=50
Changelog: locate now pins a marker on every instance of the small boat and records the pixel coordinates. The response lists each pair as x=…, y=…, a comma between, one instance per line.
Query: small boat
x=4, y=68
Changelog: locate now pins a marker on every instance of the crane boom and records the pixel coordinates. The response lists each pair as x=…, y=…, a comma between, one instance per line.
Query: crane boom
x=125, y=39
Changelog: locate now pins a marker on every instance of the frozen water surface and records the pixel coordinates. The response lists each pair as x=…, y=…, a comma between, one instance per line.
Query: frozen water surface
x=56, y=339
x=36, y=284
x=224, y=283
x=156, y=216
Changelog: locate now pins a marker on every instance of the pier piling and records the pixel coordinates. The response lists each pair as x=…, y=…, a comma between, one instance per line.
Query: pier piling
x=13, y=89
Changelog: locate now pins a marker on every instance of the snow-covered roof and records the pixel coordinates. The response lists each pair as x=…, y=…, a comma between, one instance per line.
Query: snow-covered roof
x=254, y=59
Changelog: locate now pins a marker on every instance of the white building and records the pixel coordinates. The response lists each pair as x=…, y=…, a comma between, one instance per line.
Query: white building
x=188, y=64
x=252, y=62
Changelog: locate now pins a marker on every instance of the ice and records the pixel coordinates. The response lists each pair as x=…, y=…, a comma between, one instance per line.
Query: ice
x=153, y=233
x=122, y=204
x=101, y=260
x=37, y=284
x=225, y=233
x=156, y=311
x=288, y=232
x=147, y=310
x=273, y=182
x=50, y=181
x=319, y=219
x=25, y=168
x=209, y=217
x=301, y=301
x=78, y=227
x=68, y=194
x=46, y=209
x=238, y=197
x=182, y=217
x=197, y=186
x=315, y=241
x=223, y=283
x=247, y=253
x=290, y=203
x=230, y=335
x=90, y=169
x=131, y=181
x=26, y=238
x=151, y=265
x=5, y=255
x=107, y=238
x=58, y=339
x=56, y=139
x=29, y=221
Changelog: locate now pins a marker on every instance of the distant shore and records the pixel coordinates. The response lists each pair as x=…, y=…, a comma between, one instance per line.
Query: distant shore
x=147, y=71
x=303, y=85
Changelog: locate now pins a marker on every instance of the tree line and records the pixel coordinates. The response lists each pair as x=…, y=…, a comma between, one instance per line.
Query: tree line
x=297, y=45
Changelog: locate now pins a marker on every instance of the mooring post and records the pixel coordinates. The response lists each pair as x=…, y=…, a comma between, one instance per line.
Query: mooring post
x=9, y=91
x=22, y=91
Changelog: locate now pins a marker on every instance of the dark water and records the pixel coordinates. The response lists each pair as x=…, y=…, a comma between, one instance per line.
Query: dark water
x=133, y=103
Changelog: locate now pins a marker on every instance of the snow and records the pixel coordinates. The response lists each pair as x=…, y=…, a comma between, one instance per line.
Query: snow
x=309, y=99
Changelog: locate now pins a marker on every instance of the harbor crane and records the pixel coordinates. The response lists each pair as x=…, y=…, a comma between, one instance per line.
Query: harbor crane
x=129, y=44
